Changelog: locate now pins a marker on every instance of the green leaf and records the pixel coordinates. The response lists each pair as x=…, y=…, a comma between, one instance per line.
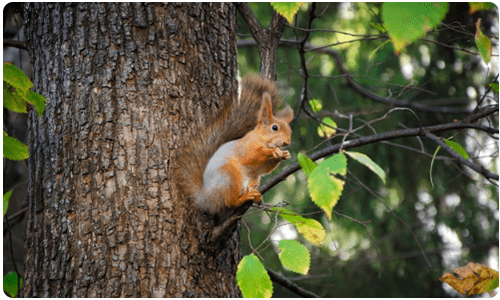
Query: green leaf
x=10, y=284
x=306, y=164
x=12, y=100
x=494, y=87
x=325, y=189
x=475, y=6
x=459, y=149
x=309, y=228
x=253, y=279
x=37, y=100
x=13, y=149
x=326, y=131
x=294, y=256
x=287, y=9
x=16, y=91
x=6, y=198
x=16, y=78
x=315, y=105
x=408, y=21
x=483, y=43
x=368, y=162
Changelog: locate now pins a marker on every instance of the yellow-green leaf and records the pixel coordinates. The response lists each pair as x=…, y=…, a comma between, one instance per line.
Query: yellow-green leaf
x=327, y=131
x=253, y=279
x=472, y=279
x=325, y=189
x=311, y=229
x=37, y=100
x=16, y=78
x=459, y=149
x=287, y=9
x=306, y=164
x=12, y=100
x=13, y=149
x=408, y=21
x=294, y=256
x=483, y=43
x=6, y=198
x=315, y=105
x=368, y=162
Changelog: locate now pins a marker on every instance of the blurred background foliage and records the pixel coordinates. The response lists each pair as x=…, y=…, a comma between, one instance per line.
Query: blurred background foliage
x=370, y=250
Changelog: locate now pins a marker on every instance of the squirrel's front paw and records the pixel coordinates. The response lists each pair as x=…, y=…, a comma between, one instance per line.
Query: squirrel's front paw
x=286, y=154
x=277, y=153
x=253, y=195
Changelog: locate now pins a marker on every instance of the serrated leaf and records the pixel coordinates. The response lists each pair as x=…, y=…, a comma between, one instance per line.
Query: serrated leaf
x=408, y=21
x=10, y=283
x=483, y=43
x=12, y=100
x=16, y=78
x=287, y=9
x=325, y=189
x=475, y=6
x=472, y=279
x=6, y=198
x=13, y=149
x=253, y=279
x=37, y=100
x=306, y=164
x=459, y=149
x=326, y=131
x=294, y=256
x=311, y=229
x=368, y=162
x=315, y=105
x=494, y=87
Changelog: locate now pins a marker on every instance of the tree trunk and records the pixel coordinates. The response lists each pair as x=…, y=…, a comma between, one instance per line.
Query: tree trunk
x=126, y=85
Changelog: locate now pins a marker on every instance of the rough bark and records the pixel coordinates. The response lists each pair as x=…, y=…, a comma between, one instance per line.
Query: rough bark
x=126, y=85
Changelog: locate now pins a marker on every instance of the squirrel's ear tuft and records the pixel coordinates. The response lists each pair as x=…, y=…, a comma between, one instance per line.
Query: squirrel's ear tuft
x=285, y=114
x=266, y=111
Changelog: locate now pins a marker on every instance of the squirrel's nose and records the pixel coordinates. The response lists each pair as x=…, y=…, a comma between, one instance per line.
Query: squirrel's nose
x=286, y=144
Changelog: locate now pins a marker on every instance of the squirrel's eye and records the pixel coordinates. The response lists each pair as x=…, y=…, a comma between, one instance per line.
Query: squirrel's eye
x=275, y=127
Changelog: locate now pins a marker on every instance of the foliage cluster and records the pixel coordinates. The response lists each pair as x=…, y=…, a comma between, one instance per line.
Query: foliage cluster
x=16, y=95
x=438, y=61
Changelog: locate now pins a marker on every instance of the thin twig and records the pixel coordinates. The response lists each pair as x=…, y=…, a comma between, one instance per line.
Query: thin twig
x=395, y=215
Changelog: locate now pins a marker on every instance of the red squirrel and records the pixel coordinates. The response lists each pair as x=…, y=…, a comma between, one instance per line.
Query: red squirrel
x=220, y=169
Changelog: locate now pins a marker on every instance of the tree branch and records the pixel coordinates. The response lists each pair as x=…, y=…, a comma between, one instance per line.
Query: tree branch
x=478, y=168
x=380, y=137
x=283, y=281
x=16, y=44
x=267, y=39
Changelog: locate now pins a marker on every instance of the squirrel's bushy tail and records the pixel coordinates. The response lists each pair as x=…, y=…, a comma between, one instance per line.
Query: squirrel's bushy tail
x=238, y=119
